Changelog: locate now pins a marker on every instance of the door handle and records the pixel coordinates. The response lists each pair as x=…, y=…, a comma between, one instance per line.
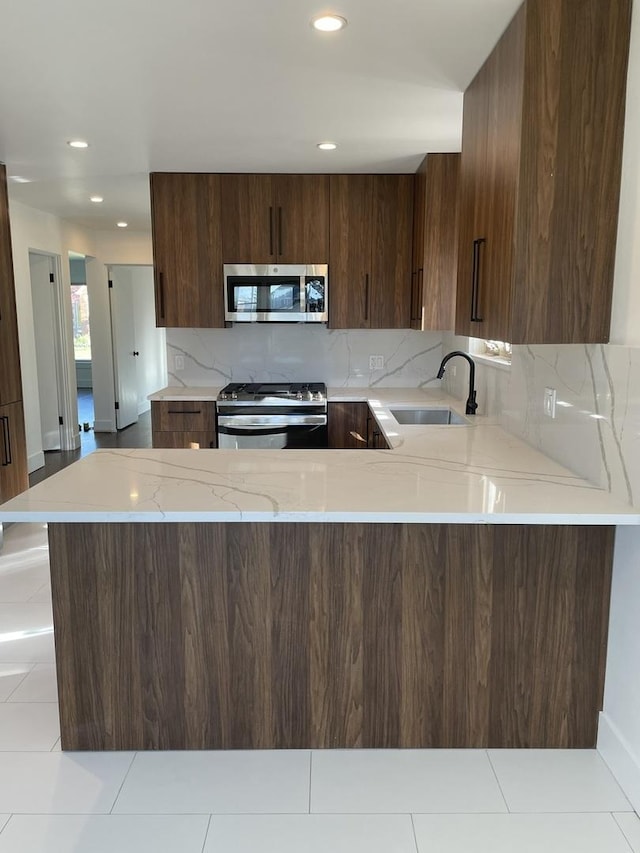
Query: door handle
x=366, y=296
x=135, y=352
x=6, y=441
x=475, y=281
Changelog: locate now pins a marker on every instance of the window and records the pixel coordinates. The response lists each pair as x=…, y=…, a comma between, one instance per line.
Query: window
x=80, y=312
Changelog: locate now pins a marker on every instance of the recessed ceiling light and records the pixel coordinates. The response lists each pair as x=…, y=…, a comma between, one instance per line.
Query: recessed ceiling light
x=78, y=143
x=96, y=199
x=122, y=224
x=18, y=179
x=329, y=23
x=327, y=146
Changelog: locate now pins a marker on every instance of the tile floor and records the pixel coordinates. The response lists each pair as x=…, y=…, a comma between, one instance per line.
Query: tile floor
x=443, y=801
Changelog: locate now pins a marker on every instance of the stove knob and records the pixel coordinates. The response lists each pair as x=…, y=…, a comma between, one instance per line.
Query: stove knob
x=317, y=395
x=234, y=395
x=299, y=395
x=224, y=395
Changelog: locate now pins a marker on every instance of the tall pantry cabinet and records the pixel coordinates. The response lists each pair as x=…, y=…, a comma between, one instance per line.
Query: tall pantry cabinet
x=543, y=125
x=13, y=454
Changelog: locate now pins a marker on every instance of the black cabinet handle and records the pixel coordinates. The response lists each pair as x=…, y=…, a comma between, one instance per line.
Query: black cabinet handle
x=161, y=294
x=366, y=296
x=475, y=285
x=271, y=231
x=6, y=441
x=184, y=411
x=416, y=297
x=280, y=231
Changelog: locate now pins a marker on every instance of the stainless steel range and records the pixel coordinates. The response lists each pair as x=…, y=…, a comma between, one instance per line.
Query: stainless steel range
x=272, y=415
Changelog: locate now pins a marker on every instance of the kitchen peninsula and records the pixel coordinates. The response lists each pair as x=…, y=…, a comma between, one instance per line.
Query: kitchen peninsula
x=449, y=592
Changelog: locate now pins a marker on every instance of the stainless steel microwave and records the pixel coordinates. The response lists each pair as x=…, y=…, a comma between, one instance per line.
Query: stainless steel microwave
x=276, y=293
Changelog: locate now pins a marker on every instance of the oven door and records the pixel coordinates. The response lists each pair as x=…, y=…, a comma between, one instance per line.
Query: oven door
x=272, y=432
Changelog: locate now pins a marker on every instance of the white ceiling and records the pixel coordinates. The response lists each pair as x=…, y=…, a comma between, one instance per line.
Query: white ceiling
x=240, y=85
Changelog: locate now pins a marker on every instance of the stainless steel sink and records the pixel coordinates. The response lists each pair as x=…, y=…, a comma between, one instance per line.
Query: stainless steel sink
x=428, y=416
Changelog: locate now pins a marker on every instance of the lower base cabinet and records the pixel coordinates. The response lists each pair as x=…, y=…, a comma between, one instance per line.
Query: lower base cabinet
x=183, y=424
x=353, y=427
x=13, y=452
x=298, y=636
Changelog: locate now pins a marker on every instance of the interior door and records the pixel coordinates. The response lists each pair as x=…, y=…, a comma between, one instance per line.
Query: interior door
x=124, y=347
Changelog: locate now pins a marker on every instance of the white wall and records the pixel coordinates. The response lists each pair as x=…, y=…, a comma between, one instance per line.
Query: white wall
x=42, y=293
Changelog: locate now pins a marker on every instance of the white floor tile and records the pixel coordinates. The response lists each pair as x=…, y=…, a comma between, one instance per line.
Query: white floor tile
x=360, y=781
x=629, y=823
x=310, y=833
x=11, y=675
x=26, y=633
x=519, y=833
x=24, y=564
x=557, y=780
x=216, y=782
x=40, y=685
x=28, y=726
x=61, y=783
x=104, y=834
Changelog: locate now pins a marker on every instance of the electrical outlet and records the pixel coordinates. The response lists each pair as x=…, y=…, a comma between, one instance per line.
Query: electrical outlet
x=376, y=362
x=549, y=405
x=178, y=362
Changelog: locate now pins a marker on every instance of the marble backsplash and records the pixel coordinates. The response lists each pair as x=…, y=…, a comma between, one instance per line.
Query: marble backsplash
x=270, y=353
x=596, y=431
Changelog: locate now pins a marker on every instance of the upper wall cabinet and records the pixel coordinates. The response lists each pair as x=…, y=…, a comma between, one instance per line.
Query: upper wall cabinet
x=10, y=376
x=187, y=249
x=435, y=243
x=540, y=176
x=269, y=219
x=370, y=251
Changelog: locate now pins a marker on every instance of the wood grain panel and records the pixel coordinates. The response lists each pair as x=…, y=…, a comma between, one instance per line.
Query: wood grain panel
x=187, y=249
x=347, y=425
x=391, y=250
x=14, y=478
x=247, y=636
x=302, y=206
x=10, y=376
x=435, y=283
x=183, y=439
x=350, y=238
x=249, y=219
x=577, y=56
x=169, y=416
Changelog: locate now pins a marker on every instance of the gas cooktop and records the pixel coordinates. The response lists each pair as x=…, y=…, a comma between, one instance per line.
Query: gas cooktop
x=257, y=393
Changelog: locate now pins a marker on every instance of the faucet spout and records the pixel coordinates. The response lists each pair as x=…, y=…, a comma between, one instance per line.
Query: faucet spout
x=471, y=404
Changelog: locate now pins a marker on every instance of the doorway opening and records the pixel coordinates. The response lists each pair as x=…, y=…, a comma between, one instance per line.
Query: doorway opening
x=81, y=328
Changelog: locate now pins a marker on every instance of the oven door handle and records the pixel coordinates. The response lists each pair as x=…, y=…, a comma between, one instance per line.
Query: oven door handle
x=260, y=423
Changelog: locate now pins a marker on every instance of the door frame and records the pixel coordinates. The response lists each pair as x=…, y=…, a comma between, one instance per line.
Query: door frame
x=63, y=347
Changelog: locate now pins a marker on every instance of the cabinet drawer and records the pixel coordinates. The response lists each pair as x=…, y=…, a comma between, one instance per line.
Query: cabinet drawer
x=184, y=439
x=183, y=416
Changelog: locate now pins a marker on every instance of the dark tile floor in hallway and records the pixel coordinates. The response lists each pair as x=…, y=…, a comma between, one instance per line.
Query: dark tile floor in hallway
x=136, y=435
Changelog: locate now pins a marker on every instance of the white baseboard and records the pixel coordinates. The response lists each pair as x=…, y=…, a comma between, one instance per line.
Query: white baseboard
x=104, y=426
x=620, y=759
x=35, y=461
x=51, y=440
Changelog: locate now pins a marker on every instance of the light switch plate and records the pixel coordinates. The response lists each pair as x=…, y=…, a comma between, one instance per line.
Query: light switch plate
x=376, y=362
x=550, y=396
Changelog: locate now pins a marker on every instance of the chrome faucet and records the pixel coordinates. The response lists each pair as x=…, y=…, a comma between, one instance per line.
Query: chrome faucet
x=471, y=399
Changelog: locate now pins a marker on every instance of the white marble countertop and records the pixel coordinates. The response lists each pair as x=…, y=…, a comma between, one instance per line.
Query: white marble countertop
x=471, y=474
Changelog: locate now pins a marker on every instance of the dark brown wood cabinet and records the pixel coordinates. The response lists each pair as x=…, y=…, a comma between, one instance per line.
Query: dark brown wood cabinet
x=371, y=225
x=353, y=427
x=183, y=423
x=10, y=376
x=275, y=218
x=187, y=250
x=435, y=243
x=13, y=452
x=540, y=176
